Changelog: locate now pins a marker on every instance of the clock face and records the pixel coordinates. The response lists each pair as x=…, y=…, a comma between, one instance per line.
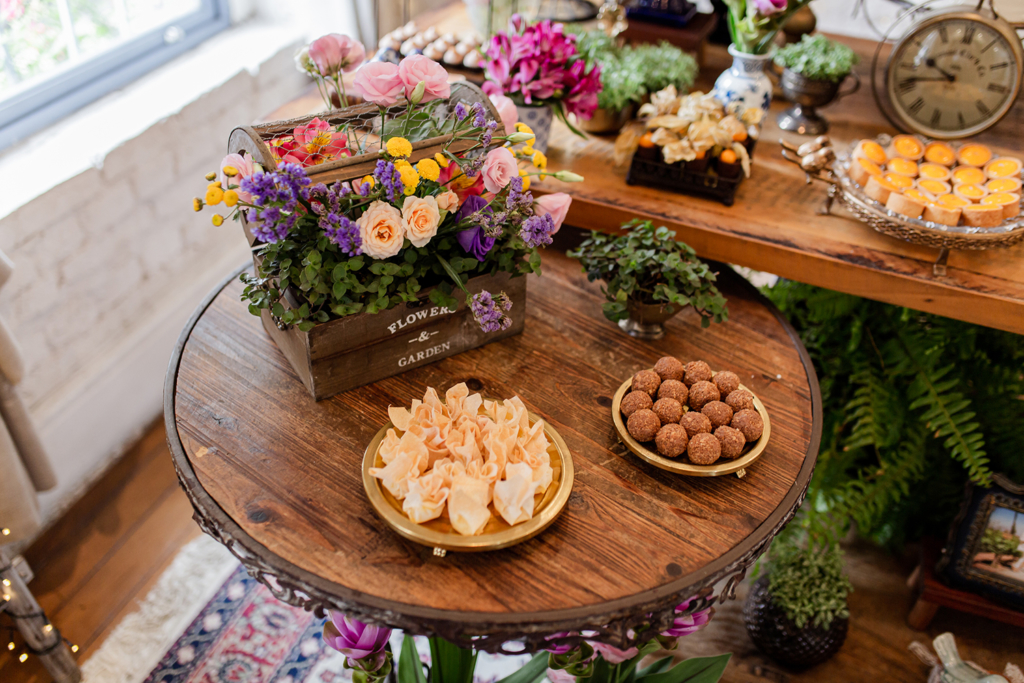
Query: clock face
x=953, y=76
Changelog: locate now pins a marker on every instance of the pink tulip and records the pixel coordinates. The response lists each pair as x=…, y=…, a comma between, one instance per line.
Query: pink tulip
x=359, y=642
x=499, y=169
x=614, y=655
x=420, y=69
x=506, y=111
x=336, y=52
x=684, y=625
x=766, y=8
x=556, y=204
x=379, y=82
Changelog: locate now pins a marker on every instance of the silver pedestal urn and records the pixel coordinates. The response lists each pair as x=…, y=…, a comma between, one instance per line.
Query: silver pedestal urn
x=807, y=95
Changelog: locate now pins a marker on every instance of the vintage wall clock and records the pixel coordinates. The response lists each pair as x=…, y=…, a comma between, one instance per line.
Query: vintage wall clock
x=953, y=72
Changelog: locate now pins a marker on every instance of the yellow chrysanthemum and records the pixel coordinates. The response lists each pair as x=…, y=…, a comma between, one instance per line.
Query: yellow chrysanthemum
x=528, y=151
x=410, y=178
x=230, y=198
x=197, y=204
x=523, y=128
x=211, y=175
x=230, y=171
x=399, y=147
x=217, y=219
x=368, y=180
x=402, y=163
x=214, y=195
x=463, y=181
x=526, y=183
x=428, y=169
x=441, y=160
x=539, y=160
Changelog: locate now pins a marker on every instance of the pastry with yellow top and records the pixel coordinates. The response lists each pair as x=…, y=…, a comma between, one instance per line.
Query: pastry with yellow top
x=1008, y=200
x=879, y=188
x=900, y=181
x=974, y=154
x=1003, y=167
x=933, y=171
x=943, y=215
x=905, y=204
x=951, y=201
x=997, y=185
x=906, y=146
x=982, y=215
x=863, y=168
x=935, y=188
x=902, y=166
x=870, y=150
x=968, y=175
x=970, y=191
x=939, y=153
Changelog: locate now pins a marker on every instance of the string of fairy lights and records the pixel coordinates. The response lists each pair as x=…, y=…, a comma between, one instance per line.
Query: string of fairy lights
x=11, y=628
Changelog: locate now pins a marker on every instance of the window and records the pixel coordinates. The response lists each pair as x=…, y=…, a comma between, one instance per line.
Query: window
x=59, y=55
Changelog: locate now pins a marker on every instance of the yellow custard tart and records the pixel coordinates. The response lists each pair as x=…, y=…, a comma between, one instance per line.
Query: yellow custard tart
x=879, y=188
x=899, y=181
x=944, y=215
x=974, y=154
x=870, y=150
x=1003, y=167
x=1008, y=200
x=917, y=194
x=982, y=215
x=968, y=175
x=972, y=193
x=939, y=153
x=936, y=188
x=906, y=204
x=862, y=168
x=902, y=166
x=933, y=171
x=952, y=201
x=907, y=146
x=1003, y=185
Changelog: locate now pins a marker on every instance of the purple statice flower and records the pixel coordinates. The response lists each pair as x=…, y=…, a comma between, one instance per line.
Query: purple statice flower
x=460, y=111
x=489, y=129
x=388, y=177
x=275, y=199
x=338, y=228
x=536, y=230
x=517, y=200
x=479, y=120
x=489, y=311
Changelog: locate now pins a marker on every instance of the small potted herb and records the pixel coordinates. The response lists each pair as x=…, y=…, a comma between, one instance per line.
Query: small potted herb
x=812, y=71
x=797, y=612
x=648, y=277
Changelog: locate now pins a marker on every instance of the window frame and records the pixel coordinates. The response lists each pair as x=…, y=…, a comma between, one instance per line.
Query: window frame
x=74, y=87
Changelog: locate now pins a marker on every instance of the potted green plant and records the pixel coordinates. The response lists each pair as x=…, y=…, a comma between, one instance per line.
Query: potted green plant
x=648, y=277
x=797, y=612
x=812, y=71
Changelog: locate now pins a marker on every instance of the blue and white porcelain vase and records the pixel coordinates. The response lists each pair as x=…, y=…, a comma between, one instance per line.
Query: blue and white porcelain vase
x=745, y=81
x=539, y=121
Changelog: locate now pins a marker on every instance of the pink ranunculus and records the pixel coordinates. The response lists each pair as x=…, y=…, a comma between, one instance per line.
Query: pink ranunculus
x=556, y=204
x=614, y=655
x=379, y=82
x=418, y=68
x=336, y=52
x=766, y=8
x=499, y=169
x=245, y=165
x=507, y=112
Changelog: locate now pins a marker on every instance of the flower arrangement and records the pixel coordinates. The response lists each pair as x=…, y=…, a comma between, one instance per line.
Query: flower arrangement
x=754, y=23
x=327, y=59
x=818, y=58
x=376, y=242
x=370, y=658
x=539, y=64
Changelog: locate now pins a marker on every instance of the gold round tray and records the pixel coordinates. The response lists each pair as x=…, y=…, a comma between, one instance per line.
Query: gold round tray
x=739, y=465
x=438, y=533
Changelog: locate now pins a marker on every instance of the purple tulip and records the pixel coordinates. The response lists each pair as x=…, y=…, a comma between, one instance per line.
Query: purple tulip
x=361, y=643
x=686, y=624
x=766, y=8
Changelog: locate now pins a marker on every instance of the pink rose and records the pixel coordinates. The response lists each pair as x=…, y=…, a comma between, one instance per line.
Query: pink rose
x=506, y=111
x=416, y=69
x=334, y=52
x=378, y=82
x=614, y=655
x=447, y=201
x=499, y=169
x=245, y=165
x=556, y=204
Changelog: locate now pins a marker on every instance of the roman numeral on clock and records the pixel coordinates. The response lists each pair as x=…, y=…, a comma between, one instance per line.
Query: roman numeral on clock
x=996, y=87
x=1000, y=65
x=986, y=48
x=944, y=34
x=906, y=85
x=936, y=117
x=916, y=105
x=968, y=35
x=960, y=119
x=982, y=108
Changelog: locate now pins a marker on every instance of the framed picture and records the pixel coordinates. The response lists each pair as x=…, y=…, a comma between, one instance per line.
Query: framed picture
x=985, y=550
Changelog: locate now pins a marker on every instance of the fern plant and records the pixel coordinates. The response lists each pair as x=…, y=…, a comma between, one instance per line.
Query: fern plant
x=915, y=405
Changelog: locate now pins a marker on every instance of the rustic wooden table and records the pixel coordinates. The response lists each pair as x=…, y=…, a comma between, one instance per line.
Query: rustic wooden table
x=276, y=476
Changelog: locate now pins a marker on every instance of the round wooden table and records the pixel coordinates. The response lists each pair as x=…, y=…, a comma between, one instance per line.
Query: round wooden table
x=276, y=476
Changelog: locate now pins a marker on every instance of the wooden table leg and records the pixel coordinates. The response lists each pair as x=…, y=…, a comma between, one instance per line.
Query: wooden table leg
x=40, y=635
x=922, y=613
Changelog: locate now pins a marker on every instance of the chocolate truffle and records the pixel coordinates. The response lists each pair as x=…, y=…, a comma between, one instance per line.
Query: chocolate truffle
x=668, y=410
x=634, y=401
x=702, y=393
x=731, y=440
x=750, y=423
x=740, y=400
x=695, y=423
x=643, y=425
x=646, y=381
x=697, y=371
x=703, y=449
x=727, y=382
x=672, y=440
x=673, y=388
x=718, y=412
x=669, y=368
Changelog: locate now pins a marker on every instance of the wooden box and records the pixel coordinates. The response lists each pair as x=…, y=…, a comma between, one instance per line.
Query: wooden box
x=348, y=352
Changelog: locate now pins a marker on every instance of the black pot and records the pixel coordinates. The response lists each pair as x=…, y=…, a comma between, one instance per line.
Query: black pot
x=777, y=637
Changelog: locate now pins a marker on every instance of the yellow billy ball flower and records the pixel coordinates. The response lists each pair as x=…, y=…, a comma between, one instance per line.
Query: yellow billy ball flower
x=441, y=160
x=399, y=147
x=230, y=171
x=218, y=219
x=429, y=169
x=214, y=195
x=539, y=160
x=197, y=204
x=230, y=197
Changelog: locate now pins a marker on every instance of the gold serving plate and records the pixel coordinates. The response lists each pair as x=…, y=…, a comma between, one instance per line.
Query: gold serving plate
x=683, y=466
x=439, y=534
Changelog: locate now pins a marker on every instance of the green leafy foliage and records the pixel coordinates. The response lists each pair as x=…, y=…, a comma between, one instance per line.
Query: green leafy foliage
x=914, y=406
x=817, y=58
x=1000, y=543
x=646, y=265
x=806, y=578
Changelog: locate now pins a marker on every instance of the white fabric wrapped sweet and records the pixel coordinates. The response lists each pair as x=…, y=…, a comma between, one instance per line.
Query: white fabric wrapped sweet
x=409, y=462
x=426, y=498
x=467, y=505
x=514, y=496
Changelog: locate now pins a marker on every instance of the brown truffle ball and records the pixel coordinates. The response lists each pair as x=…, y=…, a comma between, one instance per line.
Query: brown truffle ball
x=702, y=393
x=668, y=410
x=672, y=388
x=750, y=423
x=703, y=449
x=668, y=368
x=718, y=412
x=697, y=371
x=643, y=425
x=731, y=440
x=646, y=381
x=695, y=423
x=740, y=400
x=671, y=440
x=727, y=382
x=634, y=401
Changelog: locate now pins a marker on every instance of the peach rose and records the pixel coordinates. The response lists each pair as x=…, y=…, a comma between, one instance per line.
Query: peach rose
x=556, y=204
x=420, y=216
x=382, y=231
x=500, y=168
x=419, y=68
x=447, y=201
